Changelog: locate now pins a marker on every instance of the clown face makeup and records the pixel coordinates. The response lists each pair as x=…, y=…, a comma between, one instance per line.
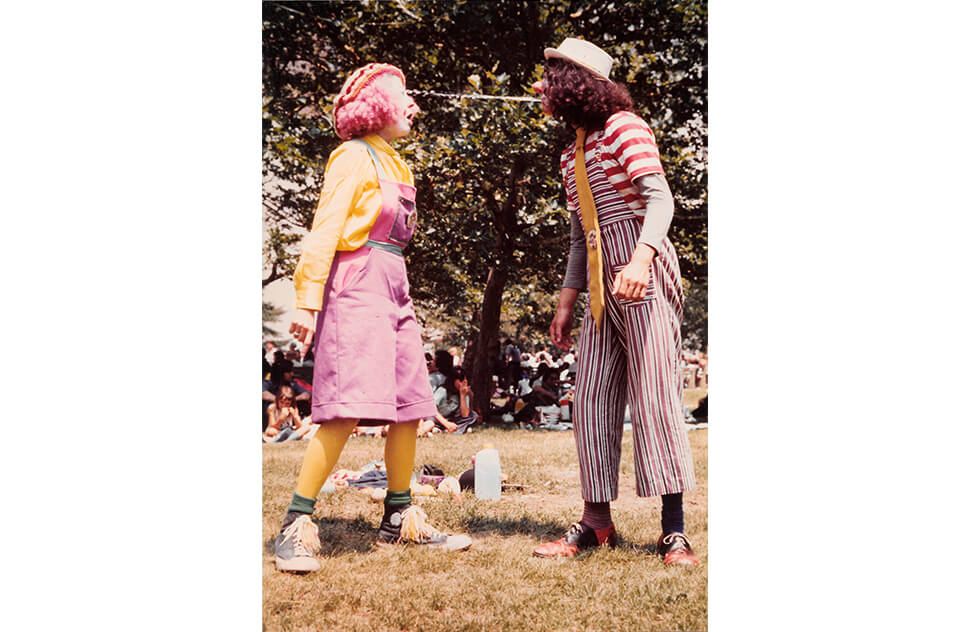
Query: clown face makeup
x=540, y=88
x=403, y=106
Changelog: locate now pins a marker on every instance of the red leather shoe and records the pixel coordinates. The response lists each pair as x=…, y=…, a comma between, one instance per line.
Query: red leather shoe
x=579, y=537
x=675, y=549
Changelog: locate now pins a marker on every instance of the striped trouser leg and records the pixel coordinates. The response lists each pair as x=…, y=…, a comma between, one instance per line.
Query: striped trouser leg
x=662, y=457
x=598, y=407
x=661, y=454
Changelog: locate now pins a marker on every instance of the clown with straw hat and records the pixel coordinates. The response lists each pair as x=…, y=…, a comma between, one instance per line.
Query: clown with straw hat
x=620, y=209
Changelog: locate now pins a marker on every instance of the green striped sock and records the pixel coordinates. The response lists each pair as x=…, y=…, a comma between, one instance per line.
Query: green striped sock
x=397, y=499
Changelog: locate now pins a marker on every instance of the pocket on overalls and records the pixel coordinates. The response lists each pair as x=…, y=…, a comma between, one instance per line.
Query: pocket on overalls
x=349, y=269
x=404, y=221
x=623, y=302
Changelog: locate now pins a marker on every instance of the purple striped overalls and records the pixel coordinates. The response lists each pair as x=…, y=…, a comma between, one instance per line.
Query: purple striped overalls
x=633, y=359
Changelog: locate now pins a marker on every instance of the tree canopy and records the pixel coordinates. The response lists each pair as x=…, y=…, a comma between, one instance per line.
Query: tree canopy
x=493, y=230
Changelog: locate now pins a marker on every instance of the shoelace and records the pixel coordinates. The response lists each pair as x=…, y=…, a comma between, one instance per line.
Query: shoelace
x=415, y=527
x=670, y=537
x=304, y=535
x=574, y=528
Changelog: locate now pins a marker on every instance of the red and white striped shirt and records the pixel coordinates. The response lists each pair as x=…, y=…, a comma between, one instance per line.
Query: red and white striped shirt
x=627, y=149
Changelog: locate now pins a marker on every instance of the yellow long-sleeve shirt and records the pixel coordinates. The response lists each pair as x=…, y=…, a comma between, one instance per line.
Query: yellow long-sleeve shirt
x=349, y=205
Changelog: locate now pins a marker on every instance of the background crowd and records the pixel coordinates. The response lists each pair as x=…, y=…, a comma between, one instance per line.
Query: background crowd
x=532, y=387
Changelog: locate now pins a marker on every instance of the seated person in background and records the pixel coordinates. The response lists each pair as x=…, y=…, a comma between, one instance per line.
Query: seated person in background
x=282, y=375
x=542, y=357
x=285, y=423
x=453, y=399
x=440, y=366
x=700, y=413
x=543, y=391
x=370, y=431
x=545, y=386
x=427, y=426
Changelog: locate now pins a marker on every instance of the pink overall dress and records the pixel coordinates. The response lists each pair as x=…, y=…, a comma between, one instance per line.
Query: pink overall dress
x=369, y=359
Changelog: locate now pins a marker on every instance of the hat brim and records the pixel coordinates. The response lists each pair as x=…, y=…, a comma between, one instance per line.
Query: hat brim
x=552, y=52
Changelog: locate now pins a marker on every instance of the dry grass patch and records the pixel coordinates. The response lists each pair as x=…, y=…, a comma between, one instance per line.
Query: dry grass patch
x=496, y=585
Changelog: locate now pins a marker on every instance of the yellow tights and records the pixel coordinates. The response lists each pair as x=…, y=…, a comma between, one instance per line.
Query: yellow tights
x=329, y=440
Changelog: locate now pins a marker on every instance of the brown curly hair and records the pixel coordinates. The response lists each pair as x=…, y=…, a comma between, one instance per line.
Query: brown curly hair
x=578, y=98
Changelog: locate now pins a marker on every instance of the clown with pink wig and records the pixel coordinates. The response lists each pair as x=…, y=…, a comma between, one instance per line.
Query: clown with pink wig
x=353, y=304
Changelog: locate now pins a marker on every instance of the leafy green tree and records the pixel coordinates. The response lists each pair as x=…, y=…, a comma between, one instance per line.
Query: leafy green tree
x=271, y=314
x=493, y=231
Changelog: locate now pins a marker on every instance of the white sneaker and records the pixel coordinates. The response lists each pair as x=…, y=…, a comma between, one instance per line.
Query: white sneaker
x=410, y=526
x=296, y=545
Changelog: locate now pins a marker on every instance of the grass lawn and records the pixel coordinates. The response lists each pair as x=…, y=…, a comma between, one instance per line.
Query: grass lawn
x=496, y=584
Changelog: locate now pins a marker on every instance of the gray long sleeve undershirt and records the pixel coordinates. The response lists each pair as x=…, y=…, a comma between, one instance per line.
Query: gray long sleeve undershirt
x=654, y=190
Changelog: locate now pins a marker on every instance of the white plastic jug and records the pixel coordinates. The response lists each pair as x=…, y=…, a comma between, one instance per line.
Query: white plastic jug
x=488, y=474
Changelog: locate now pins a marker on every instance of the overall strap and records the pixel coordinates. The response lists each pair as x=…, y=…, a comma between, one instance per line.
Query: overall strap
x=373, y=157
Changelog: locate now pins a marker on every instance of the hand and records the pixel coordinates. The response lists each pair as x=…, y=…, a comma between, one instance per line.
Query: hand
x=302, y=326
x=463, y=387
x=560, y=330
x=632, y=281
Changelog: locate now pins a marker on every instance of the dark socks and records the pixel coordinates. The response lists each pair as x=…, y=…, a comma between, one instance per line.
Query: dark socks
x=596, y=515
x=672, y=513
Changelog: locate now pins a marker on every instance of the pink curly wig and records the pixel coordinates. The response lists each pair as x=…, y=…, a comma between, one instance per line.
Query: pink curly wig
x=362, y=107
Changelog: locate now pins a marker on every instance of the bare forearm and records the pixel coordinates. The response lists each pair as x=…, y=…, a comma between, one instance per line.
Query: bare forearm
x=274, y=423
x=444, y=422
x=567, y=298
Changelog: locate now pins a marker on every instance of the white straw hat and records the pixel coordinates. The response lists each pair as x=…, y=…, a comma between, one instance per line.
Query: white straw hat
x=582, y=53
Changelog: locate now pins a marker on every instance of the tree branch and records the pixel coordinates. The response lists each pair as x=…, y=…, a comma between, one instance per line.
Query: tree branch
x=273, y=275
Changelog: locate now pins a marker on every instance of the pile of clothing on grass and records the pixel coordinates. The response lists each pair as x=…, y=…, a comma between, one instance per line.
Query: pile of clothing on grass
x=431, y=482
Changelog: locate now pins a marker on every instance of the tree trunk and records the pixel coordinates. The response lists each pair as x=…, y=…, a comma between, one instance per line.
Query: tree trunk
x=507, y=231
x=487, y=344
